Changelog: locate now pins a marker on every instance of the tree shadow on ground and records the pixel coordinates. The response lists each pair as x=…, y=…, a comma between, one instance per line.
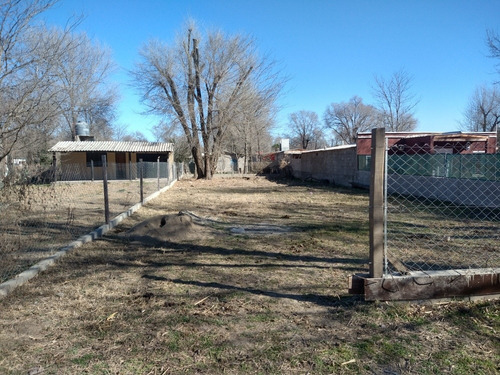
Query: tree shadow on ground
x=318, y=299
x=168, y=247
x=159, y=258
x=315, y=183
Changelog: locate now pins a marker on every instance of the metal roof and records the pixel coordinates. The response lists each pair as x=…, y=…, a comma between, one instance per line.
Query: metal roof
x=341, y=147
x=111, y=146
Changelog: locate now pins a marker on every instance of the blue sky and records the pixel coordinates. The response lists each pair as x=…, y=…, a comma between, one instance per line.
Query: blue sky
x=330, y=50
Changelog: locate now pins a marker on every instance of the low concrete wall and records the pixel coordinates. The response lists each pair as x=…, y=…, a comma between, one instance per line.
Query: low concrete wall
x=465, y=192
x=8, y=286
x=338, y=165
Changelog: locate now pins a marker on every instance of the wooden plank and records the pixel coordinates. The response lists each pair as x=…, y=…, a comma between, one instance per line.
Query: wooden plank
x=357, y=283
x=397, y=265
x=377, y=203
x=420, y=287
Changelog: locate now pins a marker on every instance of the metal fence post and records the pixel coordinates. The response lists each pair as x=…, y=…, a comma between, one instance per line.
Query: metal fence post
x=377, y=203
x=105, y=185
x=92, y=175
x=141, y=180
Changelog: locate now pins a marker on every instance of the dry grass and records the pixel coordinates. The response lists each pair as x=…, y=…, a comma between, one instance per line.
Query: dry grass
x=37, y=220
x=247, y=303
x=429, y=235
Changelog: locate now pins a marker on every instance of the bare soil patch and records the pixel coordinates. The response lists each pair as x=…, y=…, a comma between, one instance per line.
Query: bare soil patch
x=196, y=296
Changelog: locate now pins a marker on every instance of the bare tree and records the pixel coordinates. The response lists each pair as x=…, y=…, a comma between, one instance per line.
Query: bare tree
x=135, y=136
x=250, y=134
x=493, y=43
x=169, y=132
x=26, y=58
x=81, y=78
x=100, y=113
x=348, y=119
x=203, y=82
x=304, y=125
x=483, y=110
x=396, y=102
x=120, y=130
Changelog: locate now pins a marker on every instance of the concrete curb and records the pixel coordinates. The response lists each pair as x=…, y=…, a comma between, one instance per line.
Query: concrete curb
x=8, y=286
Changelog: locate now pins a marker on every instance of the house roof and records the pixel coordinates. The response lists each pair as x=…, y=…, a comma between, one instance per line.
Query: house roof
x=341, y=147
x=111, y=146
x=299, y=152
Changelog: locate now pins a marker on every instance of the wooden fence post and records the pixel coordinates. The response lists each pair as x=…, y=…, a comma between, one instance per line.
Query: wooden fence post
x=54, y=167
x=141, y=182
x=377, y=203
x=130, y=166
x=105, y=185
x=158, y=172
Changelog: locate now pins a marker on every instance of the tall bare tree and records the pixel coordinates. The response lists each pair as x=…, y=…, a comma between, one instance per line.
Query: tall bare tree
x=304, y=126
x=204, y=82
x=483, y=110
x=26, y=58
x=250, y=134
x=396, y=102
x=81, y=76
x=348, y=119
x=170, y=132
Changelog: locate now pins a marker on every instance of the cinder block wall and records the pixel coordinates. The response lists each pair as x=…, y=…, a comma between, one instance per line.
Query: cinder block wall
x=338, y=165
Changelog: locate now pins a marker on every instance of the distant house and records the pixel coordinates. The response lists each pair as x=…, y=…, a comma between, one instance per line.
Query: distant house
x=457, y=155
x=83, y=160
x=412, y=143
x=432, y=143
x=229, y=162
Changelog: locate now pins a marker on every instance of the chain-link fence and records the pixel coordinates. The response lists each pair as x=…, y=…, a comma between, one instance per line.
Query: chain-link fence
x=38, y=216
x=442, y=209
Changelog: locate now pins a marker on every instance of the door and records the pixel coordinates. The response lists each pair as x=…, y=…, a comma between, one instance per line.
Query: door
x=121, y=165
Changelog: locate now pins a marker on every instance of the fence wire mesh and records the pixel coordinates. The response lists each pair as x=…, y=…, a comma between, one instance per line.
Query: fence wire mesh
x=442, y=209
x=38, y=216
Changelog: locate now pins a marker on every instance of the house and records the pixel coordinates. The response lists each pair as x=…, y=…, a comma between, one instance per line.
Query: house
x=412, y=143
x=78, y=160
x=456, y=155
x=229, y=162
x=432, y=143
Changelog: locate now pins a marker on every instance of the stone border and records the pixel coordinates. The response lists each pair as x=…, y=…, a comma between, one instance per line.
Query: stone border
x=8, y=286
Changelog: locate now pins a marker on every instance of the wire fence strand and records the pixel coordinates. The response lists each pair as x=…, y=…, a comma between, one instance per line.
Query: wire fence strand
x=443, y=210
x=39, y=217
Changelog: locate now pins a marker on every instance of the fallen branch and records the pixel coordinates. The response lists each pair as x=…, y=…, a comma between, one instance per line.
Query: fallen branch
x=202, y=300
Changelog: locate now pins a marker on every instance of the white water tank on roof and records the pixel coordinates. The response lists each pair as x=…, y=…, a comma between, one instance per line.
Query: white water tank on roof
x=82, y=128
x=285, y=144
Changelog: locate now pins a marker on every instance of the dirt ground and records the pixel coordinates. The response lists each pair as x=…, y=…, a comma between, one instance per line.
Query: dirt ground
x=37, y=220
x=236, y=276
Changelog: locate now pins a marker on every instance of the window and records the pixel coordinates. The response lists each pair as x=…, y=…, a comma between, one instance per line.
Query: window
x=364, y=162
x=151, y=158
x=96, y=158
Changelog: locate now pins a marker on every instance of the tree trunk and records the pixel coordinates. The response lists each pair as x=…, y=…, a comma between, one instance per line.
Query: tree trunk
x=208, y=168
x=198, y=162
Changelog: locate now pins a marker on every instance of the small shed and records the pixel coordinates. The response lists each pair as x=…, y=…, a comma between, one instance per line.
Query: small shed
x=79, y=158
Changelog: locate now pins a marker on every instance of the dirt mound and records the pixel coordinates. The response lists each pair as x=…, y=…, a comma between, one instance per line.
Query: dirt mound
x=168, y=228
